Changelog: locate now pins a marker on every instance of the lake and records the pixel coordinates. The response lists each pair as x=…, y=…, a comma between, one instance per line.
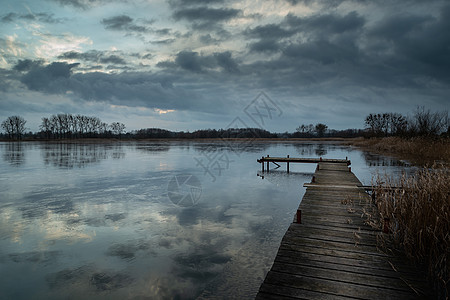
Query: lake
x=151, y=220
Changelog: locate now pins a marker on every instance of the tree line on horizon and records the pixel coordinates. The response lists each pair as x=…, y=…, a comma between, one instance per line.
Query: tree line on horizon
x=63, y=126
x=67, y=126
x=423, y=122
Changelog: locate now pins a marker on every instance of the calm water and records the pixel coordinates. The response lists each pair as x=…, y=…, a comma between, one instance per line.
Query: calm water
x=149, y=220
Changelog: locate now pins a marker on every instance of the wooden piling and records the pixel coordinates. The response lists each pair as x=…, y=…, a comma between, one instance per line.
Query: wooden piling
x=288, y=164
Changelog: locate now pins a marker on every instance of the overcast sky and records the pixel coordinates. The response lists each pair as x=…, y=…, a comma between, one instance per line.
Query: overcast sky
x=194, y=64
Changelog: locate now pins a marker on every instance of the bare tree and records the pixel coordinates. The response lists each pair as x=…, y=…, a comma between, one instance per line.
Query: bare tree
x=45, y=127
x=320, y=129
x=14, y=126
x=117, y=128
x=425, y=122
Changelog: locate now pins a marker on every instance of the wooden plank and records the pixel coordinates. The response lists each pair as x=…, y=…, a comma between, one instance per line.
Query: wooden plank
x=349, y=276
x=270, y=291
x=336, y=287
x=302, y=160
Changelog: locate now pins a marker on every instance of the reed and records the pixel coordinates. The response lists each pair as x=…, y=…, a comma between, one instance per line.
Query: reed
x=416, y=211
x=420, y=150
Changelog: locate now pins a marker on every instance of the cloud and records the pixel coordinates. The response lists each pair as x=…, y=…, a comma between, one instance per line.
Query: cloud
x=269, y=36
x=95, y=56
x=178, y=3
x=83, y=4
x=123, y=23
x=134, y=89
x=226, y=62
x=41, y=17
x=325, y=24
x=51, y=78
x=307, y=34
x=53, y=45
x=193, y=62
x=206, y=18
x=27, y=64
x=416, y=43
x=113, y=59
x=269, y=31
x=206, y=14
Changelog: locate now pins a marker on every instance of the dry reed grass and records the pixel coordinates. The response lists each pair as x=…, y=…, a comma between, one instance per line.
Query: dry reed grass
x=420, y=150
x=418, y=210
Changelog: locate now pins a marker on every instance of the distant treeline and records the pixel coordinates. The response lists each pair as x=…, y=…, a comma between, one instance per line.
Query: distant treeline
x=66, y=126
x=62, y=126
x=422, y=123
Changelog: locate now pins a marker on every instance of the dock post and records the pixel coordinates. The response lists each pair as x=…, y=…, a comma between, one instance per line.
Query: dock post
x=350, y=169
x=262, y=163
x=299, y=216
x=267, y=164
x=288, y=164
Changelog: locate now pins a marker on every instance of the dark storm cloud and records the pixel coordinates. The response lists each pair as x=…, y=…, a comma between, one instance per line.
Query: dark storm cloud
x=144, y=89
x=113, y=59
x=50, y=78
x=226, y=62
x=418, y=39
x=84, y=4
x=266, y=45
x=193, y=62
x=123, y=23
x=27, y=64
x=206, y=14
x=117, y=22
x=178, y=3
x=269, y=37
x=323, y=52
x=320, y=30
x=270, y=31
x=41, y=17
x=92, y=55
x=327, y=3
x=206, y=18
x=325, y=24
x=103, y=57
x=164, y=42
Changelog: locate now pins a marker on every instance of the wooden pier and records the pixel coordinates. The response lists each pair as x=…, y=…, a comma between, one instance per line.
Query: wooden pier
x=330, y=253
x=287, y=160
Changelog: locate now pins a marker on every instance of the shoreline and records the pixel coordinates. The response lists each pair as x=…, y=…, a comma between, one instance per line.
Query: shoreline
x=250, y=140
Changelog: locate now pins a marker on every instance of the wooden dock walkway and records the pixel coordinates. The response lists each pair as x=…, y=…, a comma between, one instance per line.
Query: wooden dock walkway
x=333, y=254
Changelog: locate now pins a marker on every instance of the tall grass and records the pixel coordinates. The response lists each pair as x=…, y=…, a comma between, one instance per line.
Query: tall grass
x=418, y=210
x=420, y=150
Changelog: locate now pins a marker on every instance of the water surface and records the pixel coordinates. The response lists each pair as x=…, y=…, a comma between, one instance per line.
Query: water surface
x=143, y=220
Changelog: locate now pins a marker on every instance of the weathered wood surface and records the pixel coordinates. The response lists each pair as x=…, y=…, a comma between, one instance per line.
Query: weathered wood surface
x=302, y=160
x=333, y=254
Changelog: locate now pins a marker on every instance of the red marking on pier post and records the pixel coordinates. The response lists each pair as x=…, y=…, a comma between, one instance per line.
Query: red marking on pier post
x=350, y=169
